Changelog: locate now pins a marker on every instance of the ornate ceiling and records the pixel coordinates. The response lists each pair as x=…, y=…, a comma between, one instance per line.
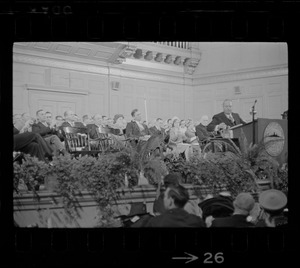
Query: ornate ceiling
x=168, y=58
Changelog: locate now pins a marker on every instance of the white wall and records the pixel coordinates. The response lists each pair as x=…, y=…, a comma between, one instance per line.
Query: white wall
x=58, y=85
x=271, y=94
x=32, y=82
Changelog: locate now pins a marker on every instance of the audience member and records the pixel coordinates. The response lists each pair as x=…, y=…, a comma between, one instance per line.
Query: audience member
x=48, y=133
x=137, y=217
x=135, y=129
x=182, y=127
x=201, y=129
x=218, y=206
x=157, y=128
x=177, y=139
x=272, y=203
x=243, y=204
x=173, y=179
x=27, y=122
x=30, y=143
x=118, y=126
x=86, y=120
x=175, y=198
x=70, y=120
x=59, y=120
x=225, y=119
x=97, y=127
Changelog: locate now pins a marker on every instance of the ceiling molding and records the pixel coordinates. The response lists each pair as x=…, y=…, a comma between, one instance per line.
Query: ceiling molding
x=121, y=71
x=245, y=75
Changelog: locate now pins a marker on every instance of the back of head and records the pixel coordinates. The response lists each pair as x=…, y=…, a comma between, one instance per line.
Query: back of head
x=244, y=202
x=172, y=179
x=179, y=194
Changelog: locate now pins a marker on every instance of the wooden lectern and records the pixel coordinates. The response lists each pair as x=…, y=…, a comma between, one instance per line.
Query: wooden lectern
x=274, y=132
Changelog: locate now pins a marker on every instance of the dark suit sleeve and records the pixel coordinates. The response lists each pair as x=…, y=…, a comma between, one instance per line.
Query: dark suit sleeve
x=241, y=120
x=215, y=121
x=200, y=133
x=36, y=128
x=129, y=130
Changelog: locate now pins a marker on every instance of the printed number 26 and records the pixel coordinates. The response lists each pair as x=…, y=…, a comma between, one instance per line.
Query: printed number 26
x=218, y=257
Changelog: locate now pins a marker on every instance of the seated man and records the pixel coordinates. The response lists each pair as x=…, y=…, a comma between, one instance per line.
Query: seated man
x=48, y=133
x=135, y=129
x=157, y=129
x=70, y=120
x=97, y=127
x=30, y=143
x=175, y=198
x=225, y=119
x=201, y=130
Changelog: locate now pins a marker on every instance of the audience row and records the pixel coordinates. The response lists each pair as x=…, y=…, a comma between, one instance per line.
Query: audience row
x=183, y=136
x=173, y=208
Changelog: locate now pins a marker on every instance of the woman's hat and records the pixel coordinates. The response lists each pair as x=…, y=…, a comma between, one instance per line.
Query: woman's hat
x=272, y=200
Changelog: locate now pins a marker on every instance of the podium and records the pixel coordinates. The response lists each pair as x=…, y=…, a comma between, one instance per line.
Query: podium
x=273, y=132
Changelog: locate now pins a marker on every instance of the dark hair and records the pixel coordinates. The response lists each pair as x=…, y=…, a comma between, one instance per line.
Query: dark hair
x=37, y=112
x=58, y=116
x=169, y=120
x=173, y=178
x=48, y=113
x=174, y=122
x=134, y=112
x=85, y=117
x=157, y=119
x=179, y=194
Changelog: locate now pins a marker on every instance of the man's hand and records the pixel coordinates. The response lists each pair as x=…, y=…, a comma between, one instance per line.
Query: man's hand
x=222, y=126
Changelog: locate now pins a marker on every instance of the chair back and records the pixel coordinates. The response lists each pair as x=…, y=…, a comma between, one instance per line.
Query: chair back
x=76, y=139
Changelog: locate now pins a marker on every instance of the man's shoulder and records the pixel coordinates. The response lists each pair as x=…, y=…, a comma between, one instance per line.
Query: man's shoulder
x=221, y=114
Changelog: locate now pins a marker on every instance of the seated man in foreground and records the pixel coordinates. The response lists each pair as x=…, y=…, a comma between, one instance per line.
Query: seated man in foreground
x=175, y=198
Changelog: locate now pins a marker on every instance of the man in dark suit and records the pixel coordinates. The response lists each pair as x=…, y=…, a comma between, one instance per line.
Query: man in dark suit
x=224, y=119
x=243, y=204
x=97, y=127
x=175, y=198
x=30, y=143
x=201, y=129
x=70, y=120
x=135, y=129
x=48, y=133
x=157, y=128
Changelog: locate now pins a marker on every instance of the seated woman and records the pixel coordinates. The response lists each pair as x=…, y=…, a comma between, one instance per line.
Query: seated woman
x=192, y=138
x=177, y=139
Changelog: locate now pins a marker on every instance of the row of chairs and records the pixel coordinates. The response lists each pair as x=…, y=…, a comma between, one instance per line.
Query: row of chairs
x=78, y=141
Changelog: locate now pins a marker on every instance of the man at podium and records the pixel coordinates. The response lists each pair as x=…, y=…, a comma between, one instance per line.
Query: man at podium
x=224, y=119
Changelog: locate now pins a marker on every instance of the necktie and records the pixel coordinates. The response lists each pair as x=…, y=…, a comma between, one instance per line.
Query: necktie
x=231, y=119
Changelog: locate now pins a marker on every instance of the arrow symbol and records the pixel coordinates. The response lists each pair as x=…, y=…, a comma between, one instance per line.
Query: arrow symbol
x=191, y=258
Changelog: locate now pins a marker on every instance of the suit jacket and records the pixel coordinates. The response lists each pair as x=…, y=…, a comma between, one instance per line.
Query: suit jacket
x=154, y=131
x=94, y=130
x=133, y=130
x=222, y=118
x=176, y=217
x=44, y=131
x=236, y=220
x=202, y=133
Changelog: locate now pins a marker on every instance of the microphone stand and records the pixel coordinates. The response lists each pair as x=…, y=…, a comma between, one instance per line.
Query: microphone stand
x=253, y=126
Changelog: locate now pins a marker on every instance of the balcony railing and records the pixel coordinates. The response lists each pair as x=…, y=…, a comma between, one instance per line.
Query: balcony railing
x=183, y=45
